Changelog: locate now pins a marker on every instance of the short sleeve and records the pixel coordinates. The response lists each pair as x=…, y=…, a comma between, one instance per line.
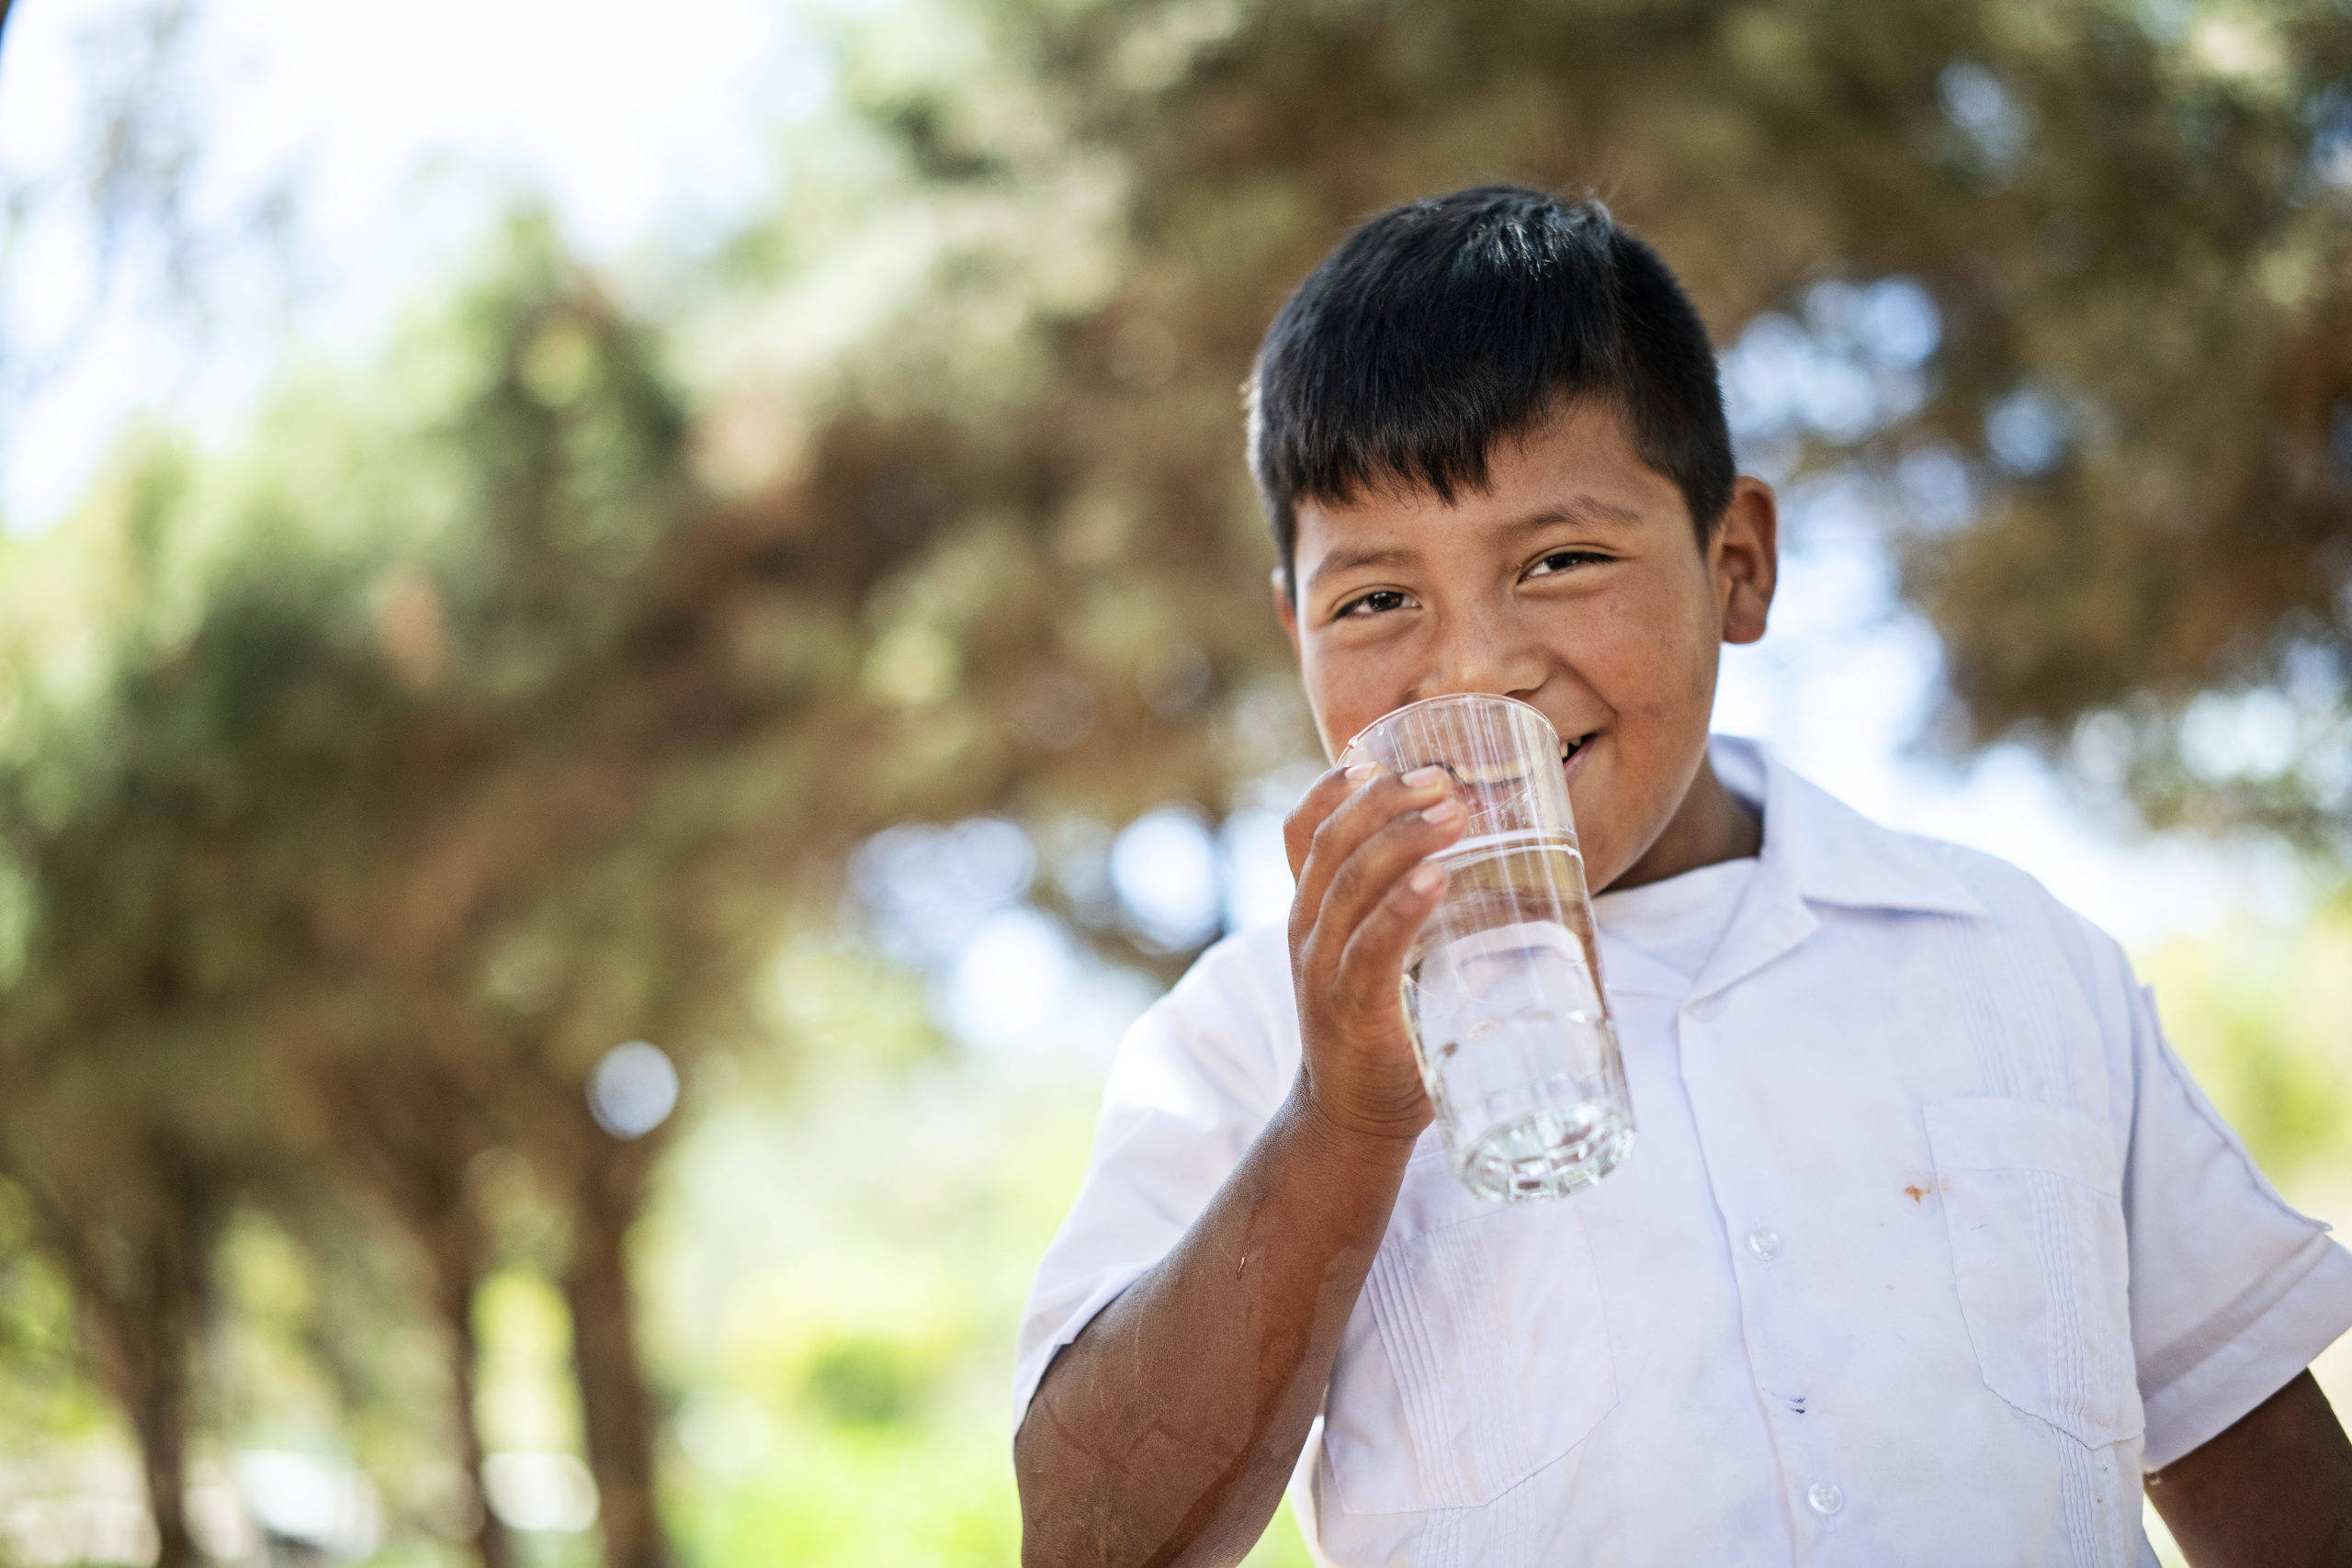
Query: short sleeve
x=1194, y=1082
x=2233, y=1292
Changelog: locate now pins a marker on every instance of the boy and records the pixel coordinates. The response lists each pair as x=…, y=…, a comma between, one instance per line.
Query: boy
x=1927, y=1250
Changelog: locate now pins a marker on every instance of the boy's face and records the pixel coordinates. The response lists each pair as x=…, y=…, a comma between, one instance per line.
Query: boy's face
x=1575, y=582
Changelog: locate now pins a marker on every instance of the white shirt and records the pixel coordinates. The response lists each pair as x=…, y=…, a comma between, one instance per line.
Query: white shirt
x=1927, y=1245
x=1679, y=921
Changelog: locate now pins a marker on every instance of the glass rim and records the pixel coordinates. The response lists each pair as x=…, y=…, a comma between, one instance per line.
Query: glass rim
x=1443, y=700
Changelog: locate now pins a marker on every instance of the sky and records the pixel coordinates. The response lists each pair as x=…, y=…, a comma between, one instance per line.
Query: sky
x=637, y=131
x=631, y=128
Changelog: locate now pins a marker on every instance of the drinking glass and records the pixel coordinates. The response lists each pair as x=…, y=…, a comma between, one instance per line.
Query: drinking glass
x=1503, y=995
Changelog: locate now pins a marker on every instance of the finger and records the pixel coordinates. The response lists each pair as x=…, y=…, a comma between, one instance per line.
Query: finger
x=1363, y=813
x=1372, y=968
x=1383, y=859
x=1321, y=799
x=1359, y=819
x=1310, y=821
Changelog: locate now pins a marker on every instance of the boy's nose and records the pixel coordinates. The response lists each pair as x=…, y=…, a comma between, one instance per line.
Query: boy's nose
x=1486, y=655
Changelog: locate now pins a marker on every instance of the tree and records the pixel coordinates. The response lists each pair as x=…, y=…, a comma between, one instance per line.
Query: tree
x=2131, y=220
x=611, y=719
x=485, y=739
x=132, y=1111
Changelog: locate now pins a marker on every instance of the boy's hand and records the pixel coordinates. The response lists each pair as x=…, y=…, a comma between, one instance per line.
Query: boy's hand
x=1356, y=847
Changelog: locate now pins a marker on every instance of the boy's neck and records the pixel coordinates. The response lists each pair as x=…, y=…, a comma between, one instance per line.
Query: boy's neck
x=1712, y=825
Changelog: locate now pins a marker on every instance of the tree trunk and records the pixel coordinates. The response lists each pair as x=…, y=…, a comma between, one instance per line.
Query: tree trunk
x=456, y=1267
x=411, y=1134
x=161, y=1420
x=140, y=1298
x=616, y=1405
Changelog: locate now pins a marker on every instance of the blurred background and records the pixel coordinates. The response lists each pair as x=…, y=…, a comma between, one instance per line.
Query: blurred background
x=631, y=635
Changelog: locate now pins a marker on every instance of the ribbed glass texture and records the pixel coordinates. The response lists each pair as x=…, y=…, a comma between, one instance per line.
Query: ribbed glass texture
x=1502, y=988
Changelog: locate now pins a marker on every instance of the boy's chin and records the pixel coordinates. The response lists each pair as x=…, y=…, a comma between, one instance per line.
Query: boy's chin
x=1600, y=875
x=1607, y=857
x=1593, y=789
x=1614, y=841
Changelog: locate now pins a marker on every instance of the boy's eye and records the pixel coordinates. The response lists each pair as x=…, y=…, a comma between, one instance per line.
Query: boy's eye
x=1378, y=601
x=1562, y=560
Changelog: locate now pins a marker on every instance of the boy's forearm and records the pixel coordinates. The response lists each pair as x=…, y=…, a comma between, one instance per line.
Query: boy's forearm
x=1165, y=1433
x=2275, y=1490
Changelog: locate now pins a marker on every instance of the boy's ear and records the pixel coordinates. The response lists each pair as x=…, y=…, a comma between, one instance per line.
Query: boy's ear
x=1747, y=556
x=1286, y=609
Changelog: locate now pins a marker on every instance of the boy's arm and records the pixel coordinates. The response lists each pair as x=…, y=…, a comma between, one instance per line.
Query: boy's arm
x=1164, y=1433
x=2274, y=1491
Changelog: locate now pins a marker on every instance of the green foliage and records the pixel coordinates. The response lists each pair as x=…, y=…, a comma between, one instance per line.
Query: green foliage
x=837, y=1264
x=840, y=1006
x=2258, y=1014
x=266, y=824
x=525, y=1399
x=864, y=1379
x=41, y=1390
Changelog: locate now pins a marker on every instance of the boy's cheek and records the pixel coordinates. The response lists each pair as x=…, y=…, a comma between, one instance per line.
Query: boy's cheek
x=1342, y=699
x=1622, y=807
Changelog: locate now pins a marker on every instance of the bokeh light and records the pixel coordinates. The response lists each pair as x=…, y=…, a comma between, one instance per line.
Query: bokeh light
x=1164, y=864
x=633, y=1089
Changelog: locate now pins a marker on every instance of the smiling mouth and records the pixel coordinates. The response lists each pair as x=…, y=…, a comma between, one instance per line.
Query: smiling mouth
x=1570, y=748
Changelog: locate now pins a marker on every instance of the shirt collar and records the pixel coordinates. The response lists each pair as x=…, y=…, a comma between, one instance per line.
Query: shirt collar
x=1830, y=852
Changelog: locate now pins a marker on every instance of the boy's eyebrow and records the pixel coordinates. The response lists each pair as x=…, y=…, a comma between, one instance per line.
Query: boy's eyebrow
x=1351, y=561
x=1575, y=509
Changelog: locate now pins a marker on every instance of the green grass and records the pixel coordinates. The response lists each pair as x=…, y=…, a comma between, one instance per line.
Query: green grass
x=847, y=1320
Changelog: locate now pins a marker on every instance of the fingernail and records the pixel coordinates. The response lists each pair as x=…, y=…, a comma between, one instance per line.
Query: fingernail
x=1445, y=810
x=1363, y=773
x=1426, y=879
x=1424, y=778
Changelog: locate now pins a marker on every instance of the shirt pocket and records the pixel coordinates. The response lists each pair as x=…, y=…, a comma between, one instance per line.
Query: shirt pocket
x=1476, y=1355
x=2032, y=1201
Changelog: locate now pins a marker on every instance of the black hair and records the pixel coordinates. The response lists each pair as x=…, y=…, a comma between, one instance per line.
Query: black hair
x=1447, y=324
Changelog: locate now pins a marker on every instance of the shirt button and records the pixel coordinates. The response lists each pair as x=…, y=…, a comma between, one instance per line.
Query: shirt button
x=1823, y=1499
x=1766, y=1245
x=1703, y=1008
